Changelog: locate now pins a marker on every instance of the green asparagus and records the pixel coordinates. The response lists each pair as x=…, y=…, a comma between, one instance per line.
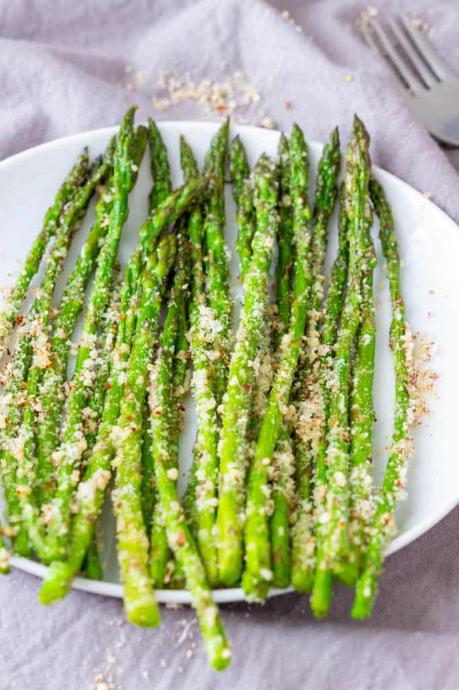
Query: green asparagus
x=332, y=535
x=53, y=217
x=163, y=409
x=34, y=331
x=237, y=401
x=309, y=406
x=91, y=490
x=132, y=539
x=382, y=525
x=258, y=572
x=217, y=256
x=127, y=157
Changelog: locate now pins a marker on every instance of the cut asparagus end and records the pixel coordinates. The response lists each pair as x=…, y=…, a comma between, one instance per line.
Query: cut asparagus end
x=322, y=593
x=141, y=609
x=56, y=584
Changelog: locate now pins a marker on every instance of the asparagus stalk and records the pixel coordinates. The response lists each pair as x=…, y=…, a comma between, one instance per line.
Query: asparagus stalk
x=64, y=323
x=92, y=414
x=309, y=406
x=36, y=330
x=217, y=256
x=180, y=388
x=332, y=312
x=206, y=331
x=160, y=172
x=167, y=212
x=160, y=551
x=332, y=536
x=52, y=356
x=237, y=401
x=164, y=403
x=159, y=542
x=128, y=154
x=53, y=217
x=283, y=461
x=200, y=340
x=133, y=556
x=362, y=420
x=243, y=197
x=91, y=490
x=258, y=573
x=383, y=523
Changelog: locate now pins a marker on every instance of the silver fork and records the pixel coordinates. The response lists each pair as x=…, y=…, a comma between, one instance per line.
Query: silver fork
x=429, y=84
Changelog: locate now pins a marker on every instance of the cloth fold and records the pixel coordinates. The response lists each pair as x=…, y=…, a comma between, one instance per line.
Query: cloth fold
x=70, y=66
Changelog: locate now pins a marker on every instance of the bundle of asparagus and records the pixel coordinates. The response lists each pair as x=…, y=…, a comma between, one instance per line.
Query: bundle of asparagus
x=280, y=491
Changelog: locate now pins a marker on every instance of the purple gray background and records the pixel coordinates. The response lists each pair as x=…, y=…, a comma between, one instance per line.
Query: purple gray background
x=62, y=70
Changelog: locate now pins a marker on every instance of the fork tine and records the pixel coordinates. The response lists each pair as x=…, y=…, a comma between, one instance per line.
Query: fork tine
x=370, y=40
x=428, y=77
x=427, y=52
x=406, y=73
x=368, y=36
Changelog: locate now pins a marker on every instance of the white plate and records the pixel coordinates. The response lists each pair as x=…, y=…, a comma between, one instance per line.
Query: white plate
x=429, y=243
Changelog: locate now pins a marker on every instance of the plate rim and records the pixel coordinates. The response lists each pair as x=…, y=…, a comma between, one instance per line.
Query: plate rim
x=235, y=594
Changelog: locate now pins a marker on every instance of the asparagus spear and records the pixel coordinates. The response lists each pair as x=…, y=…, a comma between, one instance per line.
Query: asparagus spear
x=92, y=414
x=66, y=193
x=91, y=490
x=128, y=154
x=383, y=523
x=243, y=197
x=52, y=356
x=160, y=172
x=309, y=406
x=362, y=420
x=217, y=256
x=159, y=544
x=283, y=459
x=201, y=339
x=305, y=560
x=332, y=536
x=133, y=553
x=159, y=553
x=36, y=330
x=258, y=573
x=64, y=323
x=237, y=400
x=164, y=408
x=209, y=334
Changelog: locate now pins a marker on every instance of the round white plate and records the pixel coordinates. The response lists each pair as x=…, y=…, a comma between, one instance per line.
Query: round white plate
x=429, y=244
